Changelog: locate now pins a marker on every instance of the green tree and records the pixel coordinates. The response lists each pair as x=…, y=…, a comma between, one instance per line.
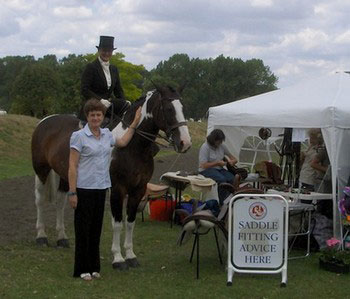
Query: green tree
x=50, y=61
x=172, y=72
x=61, y=91
x=36, y=91
x=212, y=82
x=130, y=76
x=10, y=68
x=70, y=70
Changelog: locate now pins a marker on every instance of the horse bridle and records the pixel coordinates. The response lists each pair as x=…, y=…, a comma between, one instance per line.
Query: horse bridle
x=168, y=130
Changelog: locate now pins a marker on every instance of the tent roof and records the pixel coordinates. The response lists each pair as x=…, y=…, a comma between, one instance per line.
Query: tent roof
x=317, y=103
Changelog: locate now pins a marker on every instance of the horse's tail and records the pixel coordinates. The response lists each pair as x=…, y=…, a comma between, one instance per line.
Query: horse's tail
x=48, y=190
x=52, y=183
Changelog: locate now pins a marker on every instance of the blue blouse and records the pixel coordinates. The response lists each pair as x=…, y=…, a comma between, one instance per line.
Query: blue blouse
x=95, y=156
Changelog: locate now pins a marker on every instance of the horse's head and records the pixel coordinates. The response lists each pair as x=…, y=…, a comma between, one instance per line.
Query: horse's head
x=170, y=118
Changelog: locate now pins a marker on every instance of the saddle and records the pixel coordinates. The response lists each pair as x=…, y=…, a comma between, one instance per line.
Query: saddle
x=200, y=222
x=152, y=191
x=205, y=219
x=269, y=171
x=114, y=114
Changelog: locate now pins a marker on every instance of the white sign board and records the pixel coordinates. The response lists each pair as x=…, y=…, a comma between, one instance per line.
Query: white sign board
x=257, y=235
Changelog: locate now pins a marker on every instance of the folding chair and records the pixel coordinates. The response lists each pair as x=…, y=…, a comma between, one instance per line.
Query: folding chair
x=200, y=222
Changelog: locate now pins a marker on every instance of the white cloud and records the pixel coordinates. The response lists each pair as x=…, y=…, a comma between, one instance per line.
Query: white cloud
x=288, y=69
x=343, y=38
x=8, y=23
x=72, y=12
x=21, y=5
x=294, y=38
x=307, y=39
x=60, y=52
x=321, y=9
x=261, y=3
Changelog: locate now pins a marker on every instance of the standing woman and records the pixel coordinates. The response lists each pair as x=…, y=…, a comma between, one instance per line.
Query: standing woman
x=88, y=175
x=308, y=174
x=100, y=79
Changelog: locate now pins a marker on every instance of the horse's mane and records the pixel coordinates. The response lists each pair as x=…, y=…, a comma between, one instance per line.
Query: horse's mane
x=139, y=102
x=172, y=89
x=129, y=114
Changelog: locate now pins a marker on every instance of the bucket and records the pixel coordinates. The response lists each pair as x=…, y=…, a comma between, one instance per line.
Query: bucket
x=161, y=209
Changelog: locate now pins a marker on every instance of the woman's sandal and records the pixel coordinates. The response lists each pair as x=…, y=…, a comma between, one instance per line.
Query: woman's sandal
x=86, y=276
x=96, y=275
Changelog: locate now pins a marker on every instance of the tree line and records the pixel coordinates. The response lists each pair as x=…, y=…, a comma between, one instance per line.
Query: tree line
x=48, y=85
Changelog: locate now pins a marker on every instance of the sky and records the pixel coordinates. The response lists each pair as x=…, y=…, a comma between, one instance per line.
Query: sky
x=296, y=39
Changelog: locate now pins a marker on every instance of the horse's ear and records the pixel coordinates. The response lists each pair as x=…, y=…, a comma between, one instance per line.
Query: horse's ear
x=156, y=86
x=160, y=89
x=182, y=87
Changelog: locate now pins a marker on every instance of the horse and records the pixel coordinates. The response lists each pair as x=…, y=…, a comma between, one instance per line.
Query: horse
x=131, y=167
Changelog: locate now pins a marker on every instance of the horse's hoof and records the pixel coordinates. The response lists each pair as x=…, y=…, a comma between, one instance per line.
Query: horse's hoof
x=121, y=266
x=63, y=243
x=42, y=241
x=133, y=263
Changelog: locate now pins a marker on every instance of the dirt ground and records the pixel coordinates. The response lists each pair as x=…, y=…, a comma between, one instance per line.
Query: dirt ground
x=18, y=211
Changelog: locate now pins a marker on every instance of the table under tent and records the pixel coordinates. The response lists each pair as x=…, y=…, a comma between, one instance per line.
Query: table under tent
x=322, y=102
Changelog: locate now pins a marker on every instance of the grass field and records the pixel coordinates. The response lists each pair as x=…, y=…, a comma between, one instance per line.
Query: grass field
x=15, y=136
x=28, y=271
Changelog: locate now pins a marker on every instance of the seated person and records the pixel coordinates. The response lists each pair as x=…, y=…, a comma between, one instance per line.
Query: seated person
x=308, y=174
x=100, y=80
x=211, y=161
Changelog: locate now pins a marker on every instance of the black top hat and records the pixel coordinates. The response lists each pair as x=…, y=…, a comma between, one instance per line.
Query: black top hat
x=106, y=42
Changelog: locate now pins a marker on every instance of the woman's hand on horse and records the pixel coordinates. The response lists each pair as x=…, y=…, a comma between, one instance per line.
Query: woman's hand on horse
x=137, y=118
x=73, y=201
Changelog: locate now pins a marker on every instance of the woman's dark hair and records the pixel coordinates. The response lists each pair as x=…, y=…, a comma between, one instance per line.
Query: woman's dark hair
x=215, y=135
x=94, y=105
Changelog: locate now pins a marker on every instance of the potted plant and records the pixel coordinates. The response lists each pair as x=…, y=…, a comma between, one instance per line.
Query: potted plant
x=333, y=259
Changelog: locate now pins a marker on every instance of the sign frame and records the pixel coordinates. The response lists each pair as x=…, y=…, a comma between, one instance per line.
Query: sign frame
x=282, y=266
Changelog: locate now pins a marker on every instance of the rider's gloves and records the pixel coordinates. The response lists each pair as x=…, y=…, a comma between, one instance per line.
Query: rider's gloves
x=106, y=103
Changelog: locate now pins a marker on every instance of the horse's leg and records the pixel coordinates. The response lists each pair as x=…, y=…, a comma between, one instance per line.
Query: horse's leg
x=41, y=237
x=130, y=256
x=133, y=202
x=116, y=202
x=62, y=240
x=58, y=197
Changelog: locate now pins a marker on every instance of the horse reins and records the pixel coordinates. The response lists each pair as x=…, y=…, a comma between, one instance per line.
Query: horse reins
x=168, y=130
x=152, y=137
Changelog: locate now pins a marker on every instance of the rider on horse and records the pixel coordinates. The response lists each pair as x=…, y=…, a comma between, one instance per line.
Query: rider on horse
x=100, y=80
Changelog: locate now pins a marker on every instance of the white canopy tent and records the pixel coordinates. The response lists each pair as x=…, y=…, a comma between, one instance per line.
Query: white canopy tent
x=322, y=102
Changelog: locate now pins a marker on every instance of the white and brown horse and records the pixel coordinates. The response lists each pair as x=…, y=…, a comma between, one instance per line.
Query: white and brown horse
x=131, y=167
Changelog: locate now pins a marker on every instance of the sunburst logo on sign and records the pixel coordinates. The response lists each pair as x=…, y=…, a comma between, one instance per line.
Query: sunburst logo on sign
x=257, y=211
